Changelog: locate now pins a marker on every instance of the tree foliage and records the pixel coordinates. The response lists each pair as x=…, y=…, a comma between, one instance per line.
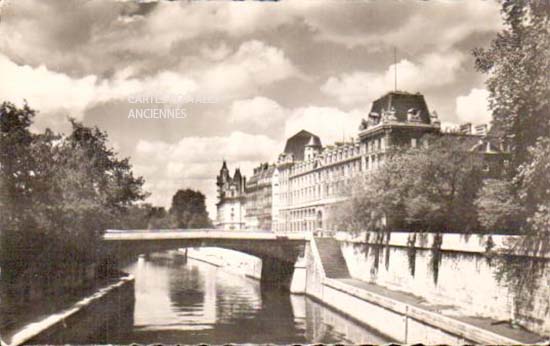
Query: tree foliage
x=533, y=178
x=517, y=63
x=430, y=188
x=188, y=210
x=499, y=207
x=60, y=193
x=16, y=177
x=444, y=179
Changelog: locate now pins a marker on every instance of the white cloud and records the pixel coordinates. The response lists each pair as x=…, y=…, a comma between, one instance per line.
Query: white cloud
x=331, y=124
x=474, y=107
x=194, y=162
x=172, y=22
x=433, y=70
x=410, y=26
x=49, y=91
x=215, y=52
x=236, y=146
x=259, y=111
x=253, y=65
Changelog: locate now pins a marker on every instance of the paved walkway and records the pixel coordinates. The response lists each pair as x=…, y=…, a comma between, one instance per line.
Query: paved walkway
x=504, y=329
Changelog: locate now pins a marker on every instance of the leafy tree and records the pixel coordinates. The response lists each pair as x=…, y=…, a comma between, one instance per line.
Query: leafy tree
x=188, y=210
x=159, y=218
x=533, y=178
x=16, y=187
x=518, y=62
x=60, y=193
x=499, y=206
x=360, y=211
x=87, y=190
x=445, y=179
x=430, y=188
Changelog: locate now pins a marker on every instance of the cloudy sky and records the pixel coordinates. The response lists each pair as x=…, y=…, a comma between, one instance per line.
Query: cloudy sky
x=273, y=68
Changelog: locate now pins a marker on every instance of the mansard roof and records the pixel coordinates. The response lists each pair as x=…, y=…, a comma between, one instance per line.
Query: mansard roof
x=313, y=142
x=295, y=145
x=264, y=170
x=402, y=102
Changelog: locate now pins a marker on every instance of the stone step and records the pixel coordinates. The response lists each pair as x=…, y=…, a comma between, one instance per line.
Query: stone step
x=332, y=258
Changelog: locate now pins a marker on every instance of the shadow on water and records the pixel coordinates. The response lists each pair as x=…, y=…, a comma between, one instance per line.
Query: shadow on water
x=198, y=303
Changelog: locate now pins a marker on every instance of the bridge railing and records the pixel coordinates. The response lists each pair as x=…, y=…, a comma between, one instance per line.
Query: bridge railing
x=171, y=230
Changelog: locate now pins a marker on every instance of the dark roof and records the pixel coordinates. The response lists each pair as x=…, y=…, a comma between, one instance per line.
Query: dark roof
x=263, y=171
x=237, y=174
x=402, y=102
x=313, y=142
x=295, y=145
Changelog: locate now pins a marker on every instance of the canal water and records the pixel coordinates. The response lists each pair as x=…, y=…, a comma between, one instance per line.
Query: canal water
x=195, y=302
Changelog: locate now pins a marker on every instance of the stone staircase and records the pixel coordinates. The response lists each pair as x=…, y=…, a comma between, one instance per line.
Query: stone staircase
x=332, y=258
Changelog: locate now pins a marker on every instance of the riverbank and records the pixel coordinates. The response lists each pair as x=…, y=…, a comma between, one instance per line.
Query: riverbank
x=91, y=319
x=402, y=316
x=399, y=314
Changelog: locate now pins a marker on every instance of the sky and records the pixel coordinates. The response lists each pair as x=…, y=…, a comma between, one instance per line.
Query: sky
x=258, y=71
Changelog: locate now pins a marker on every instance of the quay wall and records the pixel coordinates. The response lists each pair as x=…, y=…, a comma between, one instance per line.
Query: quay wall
x=461, y=274
x=94, y=319
x=457, y=276
x=399, y=320
x=231, y=261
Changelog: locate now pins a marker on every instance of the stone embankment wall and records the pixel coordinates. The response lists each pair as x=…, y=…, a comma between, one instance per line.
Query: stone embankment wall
x=452, y=270
x=400, y=316
x=94, y=319
x=232, y=261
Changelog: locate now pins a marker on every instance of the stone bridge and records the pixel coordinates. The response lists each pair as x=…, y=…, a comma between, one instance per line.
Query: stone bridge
x=278, y=252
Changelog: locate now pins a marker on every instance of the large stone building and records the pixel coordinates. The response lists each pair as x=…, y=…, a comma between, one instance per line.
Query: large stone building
x=311, y=187
x=309, y=180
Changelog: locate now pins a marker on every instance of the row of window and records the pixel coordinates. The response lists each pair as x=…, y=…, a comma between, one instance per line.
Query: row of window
x=324, y=183
x=301, y=220
x=329, y=157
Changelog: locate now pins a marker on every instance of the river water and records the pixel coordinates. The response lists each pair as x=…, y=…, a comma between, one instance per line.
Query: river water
x=195, y=302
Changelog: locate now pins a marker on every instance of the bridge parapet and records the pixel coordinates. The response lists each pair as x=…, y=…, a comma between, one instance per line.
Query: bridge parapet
x=113, y=235
x=278, y=251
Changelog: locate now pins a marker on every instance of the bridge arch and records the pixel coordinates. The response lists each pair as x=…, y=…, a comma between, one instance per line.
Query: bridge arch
x=278, y=253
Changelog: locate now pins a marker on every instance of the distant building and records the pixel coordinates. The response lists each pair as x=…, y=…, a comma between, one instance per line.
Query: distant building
x=299, y=192
x=311, y=187
x=259, y=198
x=231, y=199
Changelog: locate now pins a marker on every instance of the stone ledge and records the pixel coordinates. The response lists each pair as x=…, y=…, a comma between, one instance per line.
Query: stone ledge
x=451, y=242
x=34, y=329
x=447, y=324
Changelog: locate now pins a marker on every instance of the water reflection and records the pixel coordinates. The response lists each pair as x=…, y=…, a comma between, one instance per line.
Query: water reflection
x=199, y=303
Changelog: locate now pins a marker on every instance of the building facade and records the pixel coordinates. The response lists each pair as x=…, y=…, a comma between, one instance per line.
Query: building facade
x=308, y=180
x=259, y=198
x=231, y=200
